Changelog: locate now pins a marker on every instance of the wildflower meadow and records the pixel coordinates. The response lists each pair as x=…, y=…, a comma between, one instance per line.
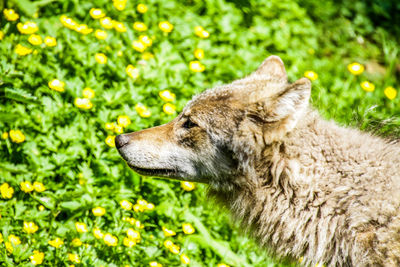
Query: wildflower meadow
x=74, y=74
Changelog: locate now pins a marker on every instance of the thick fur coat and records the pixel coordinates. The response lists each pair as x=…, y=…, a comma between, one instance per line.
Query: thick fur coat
x=303, y=186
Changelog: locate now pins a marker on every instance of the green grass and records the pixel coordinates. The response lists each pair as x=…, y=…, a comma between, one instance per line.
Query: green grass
x=64, y=146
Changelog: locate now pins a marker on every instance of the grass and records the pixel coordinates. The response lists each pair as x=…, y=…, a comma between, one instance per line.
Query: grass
x=51, y=138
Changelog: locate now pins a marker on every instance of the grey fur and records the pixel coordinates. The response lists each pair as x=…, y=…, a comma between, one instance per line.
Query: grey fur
x=305, y=187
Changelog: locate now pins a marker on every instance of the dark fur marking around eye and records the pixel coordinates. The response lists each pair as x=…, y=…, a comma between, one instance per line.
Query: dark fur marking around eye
x=256, y=118
x=188, y=124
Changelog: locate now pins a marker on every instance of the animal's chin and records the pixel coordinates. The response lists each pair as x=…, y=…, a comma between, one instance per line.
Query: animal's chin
x=167, y=173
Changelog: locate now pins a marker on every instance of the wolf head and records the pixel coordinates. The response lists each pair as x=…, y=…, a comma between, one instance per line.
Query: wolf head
x=221, y=131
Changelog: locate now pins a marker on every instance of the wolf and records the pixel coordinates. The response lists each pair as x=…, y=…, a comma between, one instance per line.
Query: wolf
x=303, y=186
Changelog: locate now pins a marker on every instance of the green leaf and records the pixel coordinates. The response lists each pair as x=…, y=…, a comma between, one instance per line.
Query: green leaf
x=20, y=95
x=71, y=205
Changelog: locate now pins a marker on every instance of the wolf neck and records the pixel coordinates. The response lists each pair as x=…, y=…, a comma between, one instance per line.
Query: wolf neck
x=291, y=200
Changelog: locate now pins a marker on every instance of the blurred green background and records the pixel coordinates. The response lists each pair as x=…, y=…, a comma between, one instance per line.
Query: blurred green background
x=67, y=198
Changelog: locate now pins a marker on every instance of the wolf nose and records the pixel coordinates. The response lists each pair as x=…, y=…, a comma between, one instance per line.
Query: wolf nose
x=121, y=140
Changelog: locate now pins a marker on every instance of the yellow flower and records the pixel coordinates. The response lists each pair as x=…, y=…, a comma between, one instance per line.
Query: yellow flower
x=132, y=71
x=150, y=206
x=168, y=232
x=110, y=126
x=100, y=34
x=140, y=26
x=367, y=86
x=9, y=246
x=83, y=103
x=123, y=120
x=57, y=242
x=110, y=240
x=169, y=108
x=101, y=58
x=141, y=8
x=41, y=208
x=199, y=53
x=68, y=22
x=155, y=264
x=17, y=136
x=138, y=46
x=57, y=85
x=119, y=4
x=201, y=32
x=37, y=257
x=76, y=242
x=1, y=35
x=4, y=135
x=175, y=249
x=6, y=191
x=118, y=129
x=97, y=13
x=168, y=243
x=196, y=66
x=133, y=234
x=389, y=92
x=30, y=227
x=222, y=265
x=185, y=259
x=99, y=211
x=139, y=225
x=132, y=221
x=142, y=204
x=22, y=50
x=74, y=258
x=39, y=187
x=14, y=239
x=125, y=204
x=1, y=238
x=10, y=14
x=119, y=27
x=355, y=68
x=110, y=141
x=137, y=208
x=35, y=39
x=50, y=41
x=83, y=28
x=28, y=27
x=26, y=186
x=311, y=75
x=129, y=242
x=146, y=40
x=165, y=26
x=147, y=56
x=166, y=95
x=188, y=186
x=187, y=228
x=142, y=110
x=88, y=92
x=97, y=233
x=81, y=227
x=106, y=23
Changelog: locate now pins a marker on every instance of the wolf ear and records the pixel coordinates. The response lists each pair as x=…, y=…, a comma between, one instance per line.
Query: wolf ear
x=272, y=66
x=286, y=109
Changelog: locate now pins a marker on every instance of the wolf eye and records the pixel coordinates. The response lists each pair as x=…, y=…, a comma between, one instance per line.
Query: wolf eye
x=189, y=124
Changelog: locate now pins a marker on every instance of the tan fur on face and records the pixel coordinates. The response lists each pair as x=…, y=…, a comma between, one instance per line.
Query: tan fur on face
x=303, y=186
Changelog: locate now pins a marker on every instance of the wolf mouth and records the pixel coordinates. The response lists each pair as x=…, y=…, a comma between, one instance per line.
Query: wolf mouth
x=155, y=172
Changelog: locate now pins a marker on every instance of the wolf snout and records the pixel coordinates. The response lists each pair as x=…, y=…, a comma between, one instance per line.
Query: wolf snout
x=121, y=140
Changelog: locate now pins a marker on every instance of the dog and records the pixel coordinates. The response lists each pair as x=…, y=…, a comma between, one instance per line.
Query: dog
x=303, y=186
